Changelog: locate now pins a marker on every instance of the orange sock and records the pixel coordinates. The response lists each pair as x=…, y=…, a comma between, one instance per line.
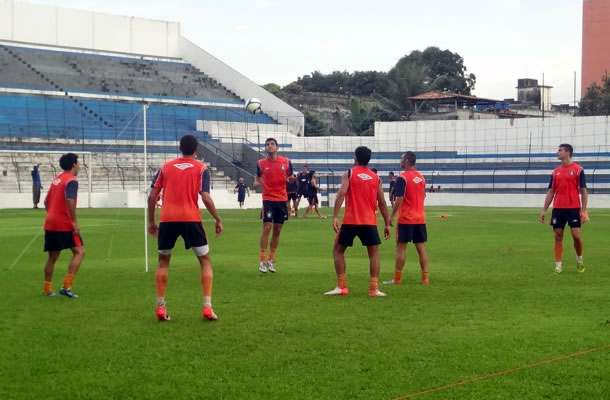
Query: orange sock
x=206, y=282
x=161, y=281
x=272, y=254
x=374, y=284
x=558, y=251
x=48, y=288
x=341, y=282
x=424, y=276
x=397, y=276
x=263, y=256
x=578, y=248
x=68, y=281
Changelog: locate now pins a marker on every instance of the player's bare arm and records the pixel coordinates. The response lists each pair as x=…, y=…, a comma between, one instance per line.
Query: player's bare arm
x=547, y=202
x=257, y=181
x=339, y=200
x=153, y=229
x=584, y=215
x=71, y=203
x=383, y=208
x=211, y=207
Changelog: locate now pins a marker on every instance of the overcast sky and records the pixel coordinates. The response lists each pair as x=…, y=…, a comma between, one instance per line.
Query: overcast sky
x=280, y=40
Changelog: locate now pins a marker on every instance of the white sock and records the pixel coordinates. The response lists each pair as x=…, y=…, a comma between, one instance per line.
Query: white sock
x=160, y=301
x=579, y=259
x=558, y=265
x=207, y=301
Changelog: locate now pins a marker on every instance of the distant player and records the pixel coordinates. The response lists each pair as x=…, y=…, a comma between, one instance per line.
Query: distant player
x=392, y=185
x=410, y=192
x=291, y=192
x=182, y=180
x=312, y=198
x=36, y=186
x=362, y=190
x=303, y=179
x=567, y=183
x=272, y=172
x=241, y=189
x=61, y=229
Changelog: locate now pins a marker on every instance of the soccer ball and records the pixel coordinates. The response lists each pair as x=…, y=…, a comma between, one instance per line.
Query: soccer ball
x=253, y=106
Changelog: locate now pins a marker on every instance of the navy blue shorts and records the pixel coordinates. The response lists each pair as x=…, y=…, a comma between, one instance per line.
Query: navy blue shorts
x=60, y=240
x=192, y=233
x=241, y=198
x=415, y=233
x=313, y=200
x=275, y=211
x=292, y=196
x=367, y=234
x=560, y=216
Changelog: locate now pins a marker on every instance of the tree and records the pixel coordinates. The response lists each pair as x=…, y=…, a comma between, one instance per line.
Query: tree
x=293, y=88
x=314, y=126
x=272, y=88
x=597, y=99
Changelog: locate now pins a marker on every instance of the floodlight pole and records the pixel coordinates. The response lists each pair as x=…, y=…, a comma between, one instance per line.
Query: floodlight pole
x=144, y=107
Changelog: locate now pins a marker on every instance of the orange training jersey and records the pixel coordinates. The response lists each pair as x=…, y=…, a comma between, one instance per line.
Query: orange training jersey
x=361, y=198
x=58, y=218
x=413, y=189
x=567, y=181
x=182, y=180
x=274, y=174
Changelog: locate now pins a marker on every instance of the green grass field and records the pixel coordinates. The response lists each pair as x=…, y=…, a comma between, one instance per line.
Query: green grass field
x=493, y=304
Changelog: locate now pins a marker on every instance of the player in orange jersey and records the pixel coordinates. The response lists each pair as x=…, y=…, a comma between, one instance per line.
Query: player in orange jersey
x=362, y=190
x=410, y=192
x=61, y=226
x=272, y=172
x=183, y=180
x=567, y=183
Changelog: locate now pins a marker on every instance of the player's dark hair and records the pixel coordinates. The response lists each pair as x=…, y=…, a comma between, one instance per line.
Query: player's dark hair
x=271, y=139
x=410, y=157
x=67, y=161
x=391, y=173
x=363, y=155
x=568, y=148
x=188, y=145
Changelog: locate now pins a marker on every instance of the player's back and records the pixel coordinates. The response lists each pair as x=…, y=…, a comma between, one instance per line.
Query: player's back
x=58, y=218
x=412, y=208
x=361, y=197
x=182, y=181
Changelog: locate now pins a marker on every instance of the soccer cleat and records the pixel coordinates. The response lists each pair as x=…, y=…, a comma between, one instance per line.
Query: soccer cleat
x=271, y=266
x=162, y=314
x=559, y=269
x=337, y=292
x=262, y=267
x=425, y=281
x=50, y=294
x=68, y=293
x=391, y=282
x=209, y=314
x=580, y=267
x=376, y=293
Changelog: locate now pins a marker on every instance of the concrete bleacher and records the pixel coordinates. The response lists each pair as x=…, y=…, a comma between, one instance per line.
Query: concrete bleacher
x=34, y=68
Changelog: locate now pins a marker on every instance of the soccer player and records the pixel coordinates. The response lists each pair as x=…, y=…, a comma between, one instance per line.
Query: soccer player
x=303, y=179
x=291, y=192
x=241, y=188
x=61, y=229
x=182, y=180
x=567, y=183
x=272, y=172
x=36, y=186
x=362, y=190
x=392, y=186
x=312, y=198
x=410, y=192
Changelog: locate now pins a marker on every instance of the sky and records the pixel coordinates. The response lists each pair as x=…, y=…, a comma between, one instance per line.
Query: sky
x=280, y=40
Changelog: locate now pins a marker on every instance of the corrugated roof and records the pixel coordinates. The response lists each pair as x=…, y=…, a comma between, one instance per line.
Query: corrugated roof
x=437, y=95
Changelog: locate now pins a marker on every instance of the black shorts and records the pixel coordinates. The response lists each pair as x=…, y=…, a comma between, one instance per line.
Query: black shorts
x=313, y=200
x=57, y=241
x=415, y=233
x=192, y=233
x=367, y=234
x=241, y=198
x=292, y=196
x=275, y=211
x=302, y=194
x=560, y=216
